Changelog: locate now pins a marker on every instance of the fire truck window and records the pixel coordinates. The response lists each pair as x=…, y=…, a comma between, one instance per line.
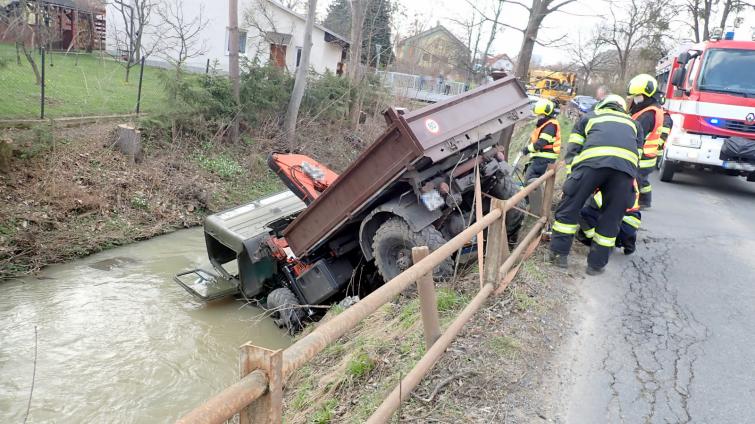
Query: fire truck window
x=728, y=70
x=691, y=71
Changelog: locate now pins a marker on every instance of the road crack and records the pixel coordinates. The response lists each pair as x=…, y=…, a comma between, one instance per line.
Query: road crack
x=650, y=365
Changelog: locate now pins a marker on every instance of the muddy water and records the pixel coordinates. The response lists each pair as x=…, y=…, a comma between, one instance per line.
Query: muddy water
x=118, y=340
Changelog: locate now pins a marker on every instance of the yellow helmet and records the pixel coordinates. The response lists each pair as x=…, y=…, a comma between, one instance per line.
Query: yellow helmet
x=642, y=84
x=543, y=107
x=612, y=99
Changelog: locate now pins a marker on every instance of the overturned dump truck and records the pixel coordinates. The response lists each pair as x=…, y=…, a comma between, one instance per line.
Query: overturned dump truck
x=331, y=236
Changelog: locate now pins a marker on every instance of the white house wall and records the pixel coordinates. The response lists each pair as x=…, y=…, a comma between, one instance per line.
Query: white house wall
x=324, y=56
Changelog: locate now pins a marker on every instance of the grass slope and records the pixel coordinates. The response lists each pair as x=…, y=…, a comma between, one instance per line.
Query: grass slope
x=93, y=86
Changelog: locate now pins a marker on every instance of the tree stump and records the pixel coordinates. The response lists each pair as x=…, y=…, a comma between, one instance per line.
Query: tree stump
x=6, y=153
x=128, y=141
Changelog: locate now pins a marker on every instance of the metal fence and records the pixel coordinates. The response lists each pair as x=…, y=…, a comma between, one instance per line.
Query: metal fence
x=257, y=397
x=420, y=86
x=40, y=84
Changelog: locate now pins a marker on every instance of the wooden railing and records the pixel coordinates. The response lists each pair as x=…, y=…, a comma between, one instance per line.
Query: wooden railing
x=258, y=396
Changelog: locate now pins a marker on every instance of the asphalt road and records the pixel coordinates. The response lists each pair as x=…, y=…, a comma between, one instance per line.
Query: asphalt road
x=667, y=335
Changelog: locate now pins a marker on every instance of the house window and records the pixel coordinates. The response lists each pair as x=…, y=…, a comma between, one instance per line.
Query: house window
x=242, y=41
x=298, y=56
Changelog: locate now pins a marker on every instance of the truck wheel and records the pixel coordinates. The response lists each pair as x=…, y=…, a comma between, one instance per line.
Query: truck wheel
x=667, y=170
x=285, y=309
x=392, y=247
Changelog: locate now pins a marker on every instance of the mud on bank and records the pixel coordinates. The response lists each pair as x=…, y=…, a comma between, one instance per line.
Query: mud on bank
x=66, y=194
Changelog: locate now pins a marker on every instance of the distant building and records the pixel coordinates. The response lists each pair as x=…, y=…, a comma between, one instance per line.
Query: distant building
x=435, y=52
x=57, y=24
x=500, y=62
x=268, y=32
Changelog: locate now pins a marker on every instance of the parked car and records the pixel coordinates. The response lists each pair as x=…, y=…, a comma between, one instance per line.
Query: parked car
x=580, y=105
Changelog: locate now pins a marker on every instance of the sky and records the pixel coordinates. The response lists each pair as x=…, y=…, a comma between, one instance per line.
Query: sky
x=577, y=18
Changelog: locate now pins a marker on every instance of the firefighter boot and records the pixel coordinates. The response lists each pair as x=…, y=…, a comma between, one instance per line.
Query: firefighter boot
x=594, y=271
x=557, y=259
x=645, y=200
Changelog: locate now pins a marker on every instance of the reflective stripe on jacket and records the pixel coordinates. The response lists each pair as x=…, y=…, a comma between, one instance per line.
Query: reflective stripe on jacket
x=605, y=138
x=653, y=139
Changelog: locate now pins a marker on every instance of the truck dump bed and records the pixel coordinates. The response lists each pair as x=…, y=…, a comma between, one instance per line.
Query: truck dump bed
x=434, y=132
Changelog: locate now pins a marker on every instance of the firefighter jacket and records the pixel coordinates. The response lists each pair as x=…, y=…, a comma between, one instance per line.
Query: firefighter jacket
x=545, y=141
x=665, y=130
x=605, y=138
x=650, y=117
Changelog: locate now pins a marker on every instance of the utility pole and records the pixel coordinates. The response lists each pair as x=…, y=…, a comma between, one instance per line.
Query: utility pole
x=233, y=62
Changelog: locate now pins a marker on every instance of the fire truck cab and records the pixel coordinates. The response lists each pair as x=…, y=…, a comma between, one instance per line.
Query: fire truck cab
x=710, y=96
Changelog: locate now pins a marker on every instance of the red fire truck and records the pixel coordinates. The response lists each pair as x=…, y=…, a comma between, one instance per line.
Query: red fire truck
x=710, y=95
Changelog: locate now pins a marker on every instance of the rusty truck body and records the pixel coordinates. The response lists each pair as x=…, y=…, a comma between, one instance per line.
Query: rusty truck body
x=412, y=186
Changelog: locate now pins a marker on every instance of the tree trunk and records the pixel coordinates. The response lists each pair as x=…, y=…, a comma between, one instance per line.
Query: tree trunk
x=358, y=9
x=233, y=62
x=529, y=37
x=32, y=63
x=300, y=84
x=725, y=13
x=706, y=19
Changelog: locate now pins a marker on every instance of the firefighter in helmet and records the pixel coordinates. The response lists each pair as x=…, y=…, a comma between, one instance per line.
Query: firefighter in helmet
x=545, y=141
x=647, y=111
x=602, y=154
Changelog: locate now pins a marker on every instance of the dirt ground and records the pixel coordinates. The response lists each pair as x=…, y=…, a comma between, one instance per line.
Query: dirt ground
x=497, y=370
x=66, y=194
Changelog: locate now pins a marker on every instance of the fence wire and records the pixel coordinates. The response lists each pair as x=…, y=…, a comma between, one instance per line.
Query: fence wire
x=77, y=84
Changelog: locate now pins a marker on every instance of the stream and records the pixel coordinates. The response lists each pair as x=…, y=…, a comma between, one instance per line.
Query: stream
x=117, y=340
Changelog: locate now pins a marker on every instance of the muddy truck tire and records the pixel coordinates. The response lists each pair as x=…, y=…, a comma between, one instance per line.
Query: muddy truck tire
x=505, y=188
x=392, y=248
x=285, y=308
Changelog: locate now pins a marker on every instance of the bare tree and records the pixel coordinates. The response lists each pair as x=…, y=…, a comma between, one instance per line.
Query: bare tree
x=130, y=29
x=632, y=25
x=588, y=56
x=358, y=12
x=181, y=38
x=538, y=11
x=300, y=84
x=16, y=22
x=703, y=12
x=233, y=61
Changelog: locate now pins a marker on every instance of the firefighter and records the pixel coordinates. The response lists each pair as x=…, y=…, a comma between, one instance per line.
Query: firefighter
x=665, y=130
x=647, y=111
x=627, y=237
x=545, y=141
x=602, y=154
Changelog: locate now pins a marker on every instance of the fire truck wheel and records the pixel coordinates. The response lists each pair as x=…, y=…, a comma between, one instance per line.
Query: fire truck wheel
x=393, y=243
x=285, y=309
x=667, y=171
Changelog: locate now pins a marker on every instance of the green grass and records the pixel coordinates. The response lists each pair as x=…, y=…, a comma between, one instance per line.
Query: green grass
x=326, y=413
x=94, y=86
x=359, y=365
x=504, y=346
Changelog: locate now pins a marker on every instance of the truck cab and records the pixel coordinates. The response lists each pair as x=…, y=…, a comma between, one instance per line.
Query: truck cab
x=710, y=96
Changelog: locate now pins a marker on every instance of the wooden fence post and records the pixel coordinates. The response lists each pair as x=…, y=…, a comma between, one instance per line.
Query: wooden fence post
x=550, y=184
x=498, y=244
x=427, y=300
x=269, y=407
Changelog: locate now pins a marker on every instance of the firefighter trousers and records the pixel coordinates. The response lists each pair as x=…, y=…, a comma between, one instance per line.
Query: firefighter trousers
x=646, y=190
x=537, y=168
x=627, y=237
x=581, y=184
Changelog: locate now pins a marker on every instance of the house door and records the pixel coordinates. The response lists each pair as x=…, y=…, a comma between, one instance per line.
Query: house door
x=278, y=55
